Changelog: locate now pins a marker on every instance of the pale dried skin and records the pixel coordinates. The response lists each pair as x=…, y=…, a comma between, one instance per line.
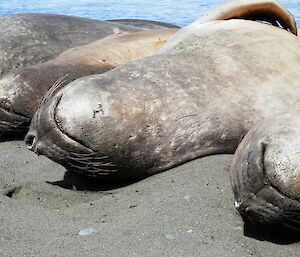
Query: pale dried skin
x=118, y=49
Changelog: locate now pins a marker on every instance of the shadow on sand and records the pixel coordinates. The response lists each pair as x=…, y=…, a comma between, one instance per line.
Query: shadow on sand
x=73, y=181
x=79, y=182
x=274, y=235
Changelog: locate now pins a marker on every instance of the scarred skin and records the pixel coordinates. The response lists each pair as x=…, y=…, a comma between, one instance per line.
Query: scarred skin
x=22, y=90
x=199, y=96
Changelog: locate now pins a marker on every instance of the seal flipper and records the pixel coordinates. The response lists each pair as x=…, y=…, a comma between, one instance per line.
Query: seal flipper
x=269, y=11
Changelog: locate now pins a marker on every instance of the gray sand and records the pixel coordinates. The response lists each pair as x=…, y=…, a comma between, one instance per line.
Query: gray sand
x=186, y=211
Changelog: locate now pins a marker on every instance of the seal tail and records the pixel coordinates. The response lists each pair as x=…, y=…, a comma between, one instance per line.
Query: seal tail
x=269, y=11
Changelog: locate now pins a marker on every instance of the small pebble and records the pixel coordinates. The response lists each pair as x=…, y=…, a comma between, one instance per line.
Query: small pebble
x=7, y=237
x=187, y=197
x=87, y=232
x=126, y=232
x=238, y=228
x=170, y=236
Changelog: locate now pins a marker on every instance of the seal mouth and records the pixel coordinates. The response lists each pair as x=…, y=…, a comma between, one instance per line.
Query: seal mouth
x=12, y=125
x=264, y=205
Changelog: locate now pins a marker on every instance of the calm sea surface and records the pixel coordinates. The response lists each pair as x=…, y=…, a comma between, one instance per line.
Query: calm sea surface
x=173, y=11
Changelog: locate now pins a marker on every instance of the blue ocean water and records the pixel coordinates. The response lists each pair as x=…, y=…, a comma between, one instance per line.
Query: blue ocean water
x=173, y=11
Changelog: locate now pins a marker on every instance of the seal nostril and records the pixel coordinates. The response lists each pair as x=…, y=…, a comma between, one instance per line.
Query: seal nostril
x=29, y=141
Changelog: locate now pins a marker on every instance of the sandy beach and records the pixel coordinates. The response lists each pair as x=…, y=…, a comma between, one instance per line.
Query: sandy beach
x=186, y=211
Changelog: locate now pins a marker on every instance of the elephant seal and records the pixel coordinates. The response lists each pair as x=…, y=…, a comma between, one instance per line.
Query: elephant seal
x=265, y=174
x=28, y=39
x=22, y=89
x=144, y=23
x=196, y=99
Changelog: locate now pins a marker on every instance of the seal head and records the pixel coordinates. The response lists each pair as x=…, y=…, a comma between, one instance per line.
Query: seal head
x=73, y=150
x=265, y=173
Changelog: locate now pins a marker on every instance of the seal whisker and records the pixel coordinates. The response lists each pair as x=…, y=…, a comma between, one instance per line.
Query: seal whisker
x=57, y=84
x=290, y=225
x=83, y=162
x=96, y=164
x=93, y=170
x=92, y=154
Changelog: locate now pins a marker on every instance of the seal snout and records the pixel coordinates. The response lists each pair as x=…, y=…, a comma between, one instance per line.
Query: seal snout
x=32, y=142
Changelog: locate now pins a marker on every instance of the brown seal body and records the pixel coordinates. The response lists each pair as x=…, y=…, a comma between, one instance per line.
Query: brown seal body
x=265, y=173
x=22, y=90
x=153, y=114
x=33, y=38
